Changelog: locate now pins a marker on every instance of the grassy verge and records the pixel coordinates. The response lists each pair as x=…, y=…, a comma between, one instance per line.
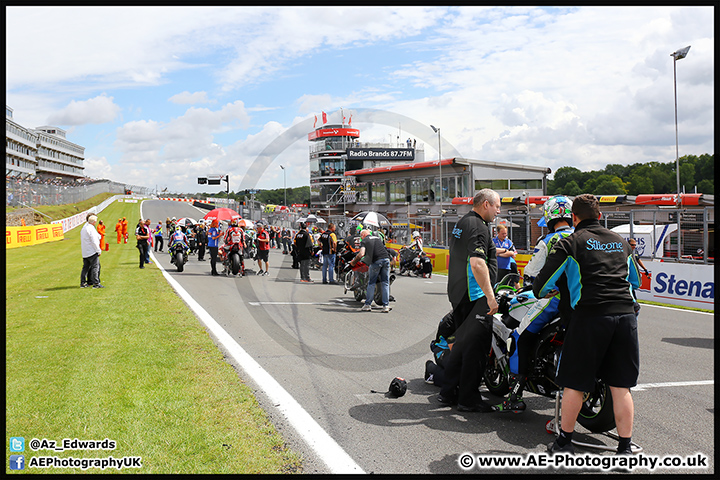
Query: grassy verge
x=58, y=212
x=129, y=362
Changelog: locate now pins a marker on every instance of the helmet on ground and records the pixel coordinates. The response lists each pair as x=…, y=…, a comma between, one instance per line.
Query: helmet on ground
x=555, y=209
x=398, y=387
x=415, y=234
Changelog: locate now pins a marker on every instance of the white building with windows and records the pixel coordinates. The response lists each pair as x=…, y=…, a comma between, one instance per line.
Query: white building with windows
x=43, y=152
x=20, y=148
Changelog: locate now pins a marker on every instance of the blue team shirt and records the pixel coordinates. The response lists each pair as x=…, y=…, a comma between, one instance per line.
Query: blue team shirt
x=213, y=242
x=504, y=263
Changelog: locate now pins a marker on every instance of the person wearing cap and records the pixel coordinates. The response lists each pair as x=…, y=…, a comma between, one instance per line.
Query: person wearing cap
x=90, y=248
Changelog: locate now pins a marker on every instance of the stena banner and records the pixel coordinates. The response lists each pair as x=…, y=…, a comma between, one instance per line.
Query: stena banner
x=684, y=284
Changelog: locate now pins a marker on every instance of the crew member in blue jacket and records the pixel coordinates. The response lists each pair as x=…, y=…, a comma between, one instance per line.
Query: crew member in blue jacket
x=601, y=340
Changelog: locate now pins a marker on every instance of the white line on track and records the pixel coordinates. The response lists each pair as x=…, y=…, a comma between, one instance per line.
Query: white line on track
x=644, y=386
x=324, y=446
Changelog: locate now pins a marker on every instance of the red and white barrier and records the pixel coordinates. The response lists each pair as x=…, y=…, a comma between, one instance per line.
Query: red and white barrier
x=184, y=200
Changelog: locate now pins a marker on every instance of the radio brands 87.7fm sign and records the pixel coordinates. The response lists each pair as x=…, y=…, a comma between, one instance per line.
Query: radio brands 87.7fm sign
x=404, y=154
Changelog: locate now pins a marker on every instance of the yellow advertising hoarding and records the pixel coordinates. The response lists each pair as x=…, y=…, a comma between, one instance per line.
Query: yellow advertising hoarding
x=32, y=235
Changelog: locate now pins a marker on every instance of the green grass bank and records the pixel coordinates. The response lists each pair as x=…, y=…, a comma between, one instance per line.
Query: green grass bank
x=129, y=362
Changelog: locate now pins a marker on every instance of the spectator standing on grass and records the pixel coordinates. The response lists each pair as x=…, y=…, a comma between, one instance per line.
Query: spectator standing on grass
x=150, y=241
x=214, y=234
x=90, y=248
x=142, y=234
x=601, y=339
x=118, y=230
x=124, y=225
x=101, y=231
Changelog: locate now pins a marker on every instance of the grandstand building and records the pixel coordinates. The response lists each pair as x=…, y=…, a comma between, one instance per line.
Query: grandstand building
x=43, y=152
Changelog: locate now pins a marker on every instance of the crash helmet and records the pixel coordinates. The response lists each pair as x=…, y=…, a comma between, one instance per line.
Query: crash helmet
x=555, y=209
x=359, y=229
x=174, y=219
x=178, y=228
x=398, y=387
x=416, y=234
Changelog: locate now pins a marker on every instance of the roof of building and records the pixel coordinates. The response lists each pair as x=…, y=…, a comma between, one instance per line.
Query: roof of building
x=445, y=162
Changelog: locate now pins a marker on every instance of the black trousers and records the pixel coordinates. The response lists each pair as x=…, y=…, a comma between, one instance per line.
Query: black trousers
x=465, y=364
x=213, y=258
x=143, y=247
x=90, y=273
x=201, y=251
x=158, y=241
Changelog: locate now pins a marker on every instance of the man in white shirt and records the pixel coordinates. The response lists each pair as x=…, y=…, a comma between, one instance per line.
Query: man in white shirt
x=90, y=247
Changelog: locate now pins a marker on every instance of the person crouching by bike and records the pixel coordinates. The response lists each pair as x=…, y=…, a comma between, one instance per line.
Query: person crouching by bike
x=375, y=255
x=601, y=340
x=557, y=217
x=233, y=236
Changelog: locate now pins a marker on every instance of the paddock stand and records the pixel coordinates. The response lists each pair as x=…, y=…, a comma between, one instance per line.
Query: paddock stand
x=553, y=426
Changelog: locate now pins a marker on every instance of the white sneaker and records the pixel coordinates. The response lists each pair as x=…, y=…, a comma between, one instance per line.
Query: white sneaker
x=386, y=309
x=366, y=308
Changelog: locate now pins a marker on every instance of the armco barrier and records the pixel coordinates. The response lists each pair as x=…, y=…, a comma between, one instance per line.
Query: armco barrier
x=32, y=235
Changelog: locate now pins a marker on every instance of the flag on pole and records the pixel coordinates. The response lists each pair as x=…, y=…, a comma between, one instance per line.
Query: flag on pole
x=324, y=117
x=350, y=121
x=315, y=121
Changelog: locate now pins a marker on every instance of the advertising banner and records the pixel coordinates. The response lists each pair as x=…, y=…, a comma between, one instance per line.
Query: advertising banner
x=689, y=285
x=32, y=235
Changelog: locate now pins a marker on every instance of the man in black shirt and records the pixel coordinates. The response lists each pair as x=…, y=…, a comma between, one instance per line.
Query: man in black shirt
x=471, y=275
x=375, y=255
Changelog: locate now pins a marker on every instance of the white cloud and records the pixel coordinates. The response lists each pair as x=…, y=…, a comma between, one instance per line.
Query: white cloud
x=187, y=98
x=553, y=86
x=95, y=111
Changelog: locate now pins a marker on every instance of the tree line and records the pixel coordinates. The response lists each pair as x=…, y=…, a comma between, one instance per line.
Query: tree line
x=638, y=178
x=295, y=195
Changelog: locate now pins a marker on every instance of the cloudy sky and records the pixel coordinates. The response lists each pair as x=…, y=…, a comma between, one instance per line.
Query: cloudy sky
x=159, y=96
